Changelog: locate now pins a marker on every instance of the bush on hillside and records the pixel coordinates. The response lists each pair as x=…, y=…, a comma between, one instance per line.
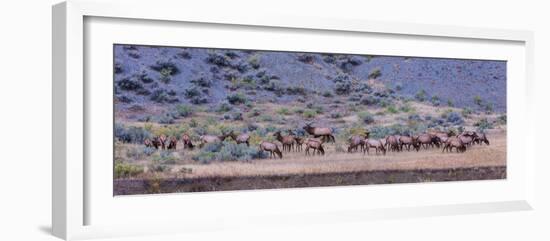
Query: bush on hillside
x=129, y=84
x=184, y=110
x=166, y=67
x=375, y=73
x=131, y=134
x=218, y=59
x=236, y=99
x=366, y=117
x=184, y=54
x=342, y=88
x=306, y=58
x=202, y=81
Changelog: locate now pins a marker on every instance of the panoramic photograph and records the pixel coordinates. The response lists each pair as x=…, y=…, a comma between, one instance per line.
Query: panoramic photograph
x=190, y=119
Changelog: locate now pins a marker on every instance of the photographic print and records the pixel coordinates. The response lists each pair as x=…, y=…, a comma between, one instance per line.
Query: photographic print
x=190, y=119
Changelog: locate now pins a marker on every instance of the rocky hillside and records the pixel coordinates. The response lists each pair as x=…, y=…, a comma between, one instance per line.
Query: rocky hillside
x=150, y=79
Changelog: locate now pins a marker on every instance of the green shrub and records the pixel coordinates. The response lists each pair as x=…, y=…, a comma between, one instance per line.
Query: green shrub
x=131, y=134
x=129, y=84
x=283, y=111
x=298, y=110
x=125, y=170
x=202, y=81
x=391, y=109
x=420, y=95
x=466, y=112
x=374, y=74
x=223, y=107
x=483, y=124
x=296, y=90
x=342, y=88
x=435, y=100
x=450, y=103
x=398, y=86
x=254, y=61
x=453, y=117
x=477, y=100
x=165, y=66
x=237, y=98
x=184, y=110
x=407, y=108
x=327, y=94
x=308, y=114
x=191, y=92
x=366, y=117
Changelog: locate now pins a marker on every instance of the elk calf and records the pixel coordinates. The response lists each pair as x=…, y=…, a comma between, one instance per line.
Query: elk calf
x=316, y=145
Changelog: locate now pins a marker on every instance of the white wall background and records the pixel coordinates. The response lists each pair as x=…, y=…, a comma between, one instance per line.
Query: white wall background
x=25, y=119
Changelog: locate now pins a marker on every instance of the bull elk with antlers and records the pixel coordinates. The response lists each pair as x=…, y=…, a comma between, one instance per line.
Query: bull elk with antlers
x=324, y=132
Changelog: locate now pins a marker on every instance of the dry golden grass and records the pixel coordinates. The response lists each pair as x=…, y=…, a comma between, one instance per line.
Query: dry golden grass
x=298, y=163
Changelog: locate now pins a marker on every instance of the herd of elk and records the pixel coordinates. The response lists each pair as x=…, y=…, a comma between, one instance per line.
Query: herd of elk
x=320, y=135
x=447, y=140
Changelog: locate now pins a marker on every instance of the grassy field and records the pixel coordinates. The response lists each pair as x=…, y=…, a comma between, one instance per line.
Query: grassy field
x=334, y=168
x=298, y=163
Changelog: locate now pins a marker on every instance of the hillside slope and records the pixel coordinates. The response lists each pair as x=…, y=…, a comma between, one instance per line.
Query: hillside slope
x=149, y=78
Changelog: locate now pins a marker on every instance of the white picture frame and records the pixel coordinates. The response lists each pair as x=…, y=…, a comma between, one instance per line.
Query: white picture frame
x=72, y=191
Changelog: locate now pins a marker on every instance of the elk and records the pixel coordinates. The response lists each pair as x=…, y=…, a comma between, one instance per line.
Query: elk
x=162, y=140
x=242, y=138
x=355, y=142
x=482, y=138
x=272, y=148
x=156, y=142
x=466, y=139
x=299, y=140
x=186, y=139
x=441, y=135
x=172, y=143
x=425, y=140
x=376, y=144
x=324, y=132
x=408, y=141
x=392, y=143
x=213, y=139
x=287, y=141
x=454, y=142
x=316, y=145
x=147, y=142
